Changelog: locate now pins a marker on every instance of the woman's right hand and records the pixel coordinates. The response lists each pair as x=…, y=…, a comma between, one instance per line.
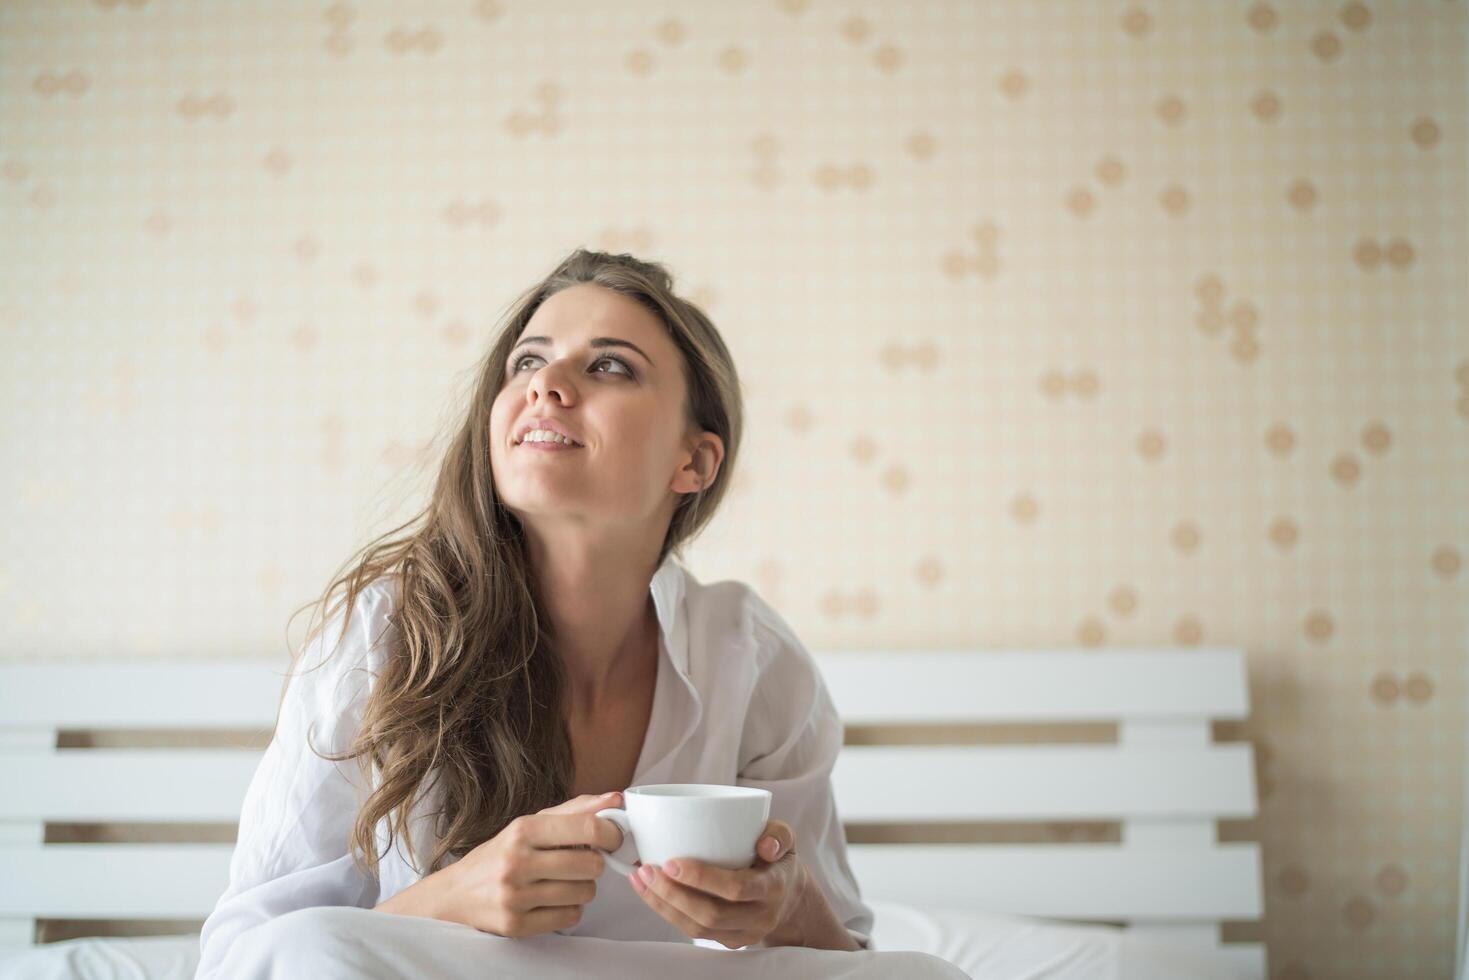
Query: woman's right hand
x=535, y=874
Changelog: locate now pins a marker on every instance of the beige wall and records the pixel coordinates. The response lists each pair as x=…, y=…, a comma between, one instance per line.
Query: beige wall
x=1062, y=324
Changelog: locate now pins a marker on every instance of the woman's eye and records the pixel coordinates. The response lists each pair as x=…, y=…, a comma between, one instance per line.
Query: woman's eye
x=605, y=357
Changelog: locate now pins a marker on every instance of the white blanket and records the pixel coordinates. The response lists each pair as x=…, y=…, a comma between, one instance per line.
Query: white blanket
x=982, y=946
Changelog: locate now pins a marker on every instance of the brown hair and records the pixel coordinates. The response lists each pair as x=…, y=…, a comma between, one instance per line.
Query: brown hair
x=470, y=658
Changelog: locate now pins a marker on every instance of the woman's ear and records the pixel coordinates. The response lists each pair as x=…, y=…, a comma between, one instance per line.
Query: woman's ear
x=709, y=455
x=703, y=466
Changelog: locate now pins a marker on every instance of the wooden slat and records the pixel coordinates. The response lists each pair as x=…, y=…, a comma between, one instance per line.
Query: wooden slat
x=1069, y=881
x=113, y=881
x=121, y=785
x=1197, y=935
x=914, y=784
x=24, y=832
x=895, y=784
x=27, y=740
x=16, y=933
x=108, y=694
x=1246, y=959
x=955, y=687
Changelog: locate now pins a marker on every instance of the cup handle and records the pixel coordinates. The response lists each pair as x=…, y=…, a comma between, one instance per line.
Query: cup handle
x=622, y=858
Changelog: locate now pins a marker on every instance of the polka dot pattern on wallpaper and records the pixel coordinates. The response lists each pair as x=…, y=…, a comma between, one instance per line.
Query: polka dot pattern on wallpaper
x=1235, y=321
x=1093, y=325
x=981, y=259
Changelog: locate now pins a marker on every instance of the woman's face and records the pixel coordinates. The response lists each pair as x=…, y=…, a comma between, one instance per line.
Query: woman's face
x=622, y=401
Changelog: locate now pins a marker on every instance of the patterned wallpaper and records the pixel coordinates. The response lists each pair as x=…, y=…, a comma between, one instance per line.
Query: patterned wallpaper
x=1091, y=323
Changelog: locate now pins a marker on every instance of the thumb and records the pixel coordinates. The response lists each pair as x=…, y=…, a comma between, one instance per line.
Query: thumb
x=777, y=840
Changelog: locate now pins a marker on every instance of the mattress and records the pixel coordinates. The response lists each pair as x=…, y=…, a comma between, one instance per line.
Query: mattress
x=986, y=946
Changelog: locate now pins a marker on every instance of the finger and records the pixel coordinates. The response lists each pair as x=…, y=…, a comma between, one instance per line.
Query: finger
x=778, y=839
x=550, y=894
x=742, y=885
x=585, y=802
x=537, y=921
x=551, y=830
x=709, y=911
x=563, y=865
x=732, y=938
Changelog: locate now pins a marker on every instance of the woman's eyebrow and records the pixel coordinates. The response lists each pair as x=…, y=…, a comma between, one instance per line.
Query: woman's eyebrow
x=595, y=342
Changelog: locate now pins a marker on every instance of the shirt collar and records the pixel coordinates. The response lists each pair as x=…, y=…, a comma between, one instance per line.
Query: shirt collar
x=668, y=588
x=678, y=707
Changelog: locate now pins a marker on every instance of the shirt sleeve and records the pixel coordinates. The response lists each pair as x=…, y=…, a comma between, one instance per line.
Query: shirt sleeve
x=789, y=745
x=291, y=851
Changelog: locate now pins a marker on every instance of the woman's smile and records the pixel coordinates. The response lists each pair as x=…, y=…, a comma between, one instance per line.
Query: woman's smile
x=548, y=446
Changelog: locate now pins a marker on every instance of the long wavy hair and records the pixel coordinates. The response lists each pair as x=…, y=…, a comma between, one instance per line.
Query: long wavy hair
x=470, y=658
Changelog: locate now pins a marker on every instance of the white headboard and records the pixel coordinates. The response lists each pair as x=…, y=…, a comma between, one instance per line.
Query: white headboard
x=1164, y=780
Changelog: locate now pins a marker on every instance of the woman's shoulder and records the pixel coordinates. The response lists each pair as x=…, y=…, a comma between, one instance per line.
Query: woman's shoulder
x=357, y=638
x=735, y=611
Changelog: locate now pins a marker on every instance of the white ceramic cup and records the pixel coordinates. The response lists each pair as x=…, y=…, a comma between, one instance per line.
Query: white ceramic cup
x=708, y=822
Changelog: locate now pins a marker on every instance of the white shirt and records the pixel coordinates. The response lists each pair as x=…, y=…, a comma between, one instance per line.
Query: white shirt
x=738, y=701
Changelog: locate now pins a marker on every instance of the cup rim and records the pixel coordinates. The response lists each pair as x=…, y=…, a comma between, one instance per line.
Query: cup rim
x=725, y=792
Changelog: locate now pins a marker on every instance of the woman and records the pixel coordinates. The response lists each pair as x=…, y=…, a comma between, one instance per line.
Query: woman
x=529, y=649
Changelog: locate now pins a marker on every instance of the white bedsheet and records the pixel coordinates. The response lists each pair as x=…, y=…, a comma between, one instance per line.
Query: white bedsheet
x=984, y=946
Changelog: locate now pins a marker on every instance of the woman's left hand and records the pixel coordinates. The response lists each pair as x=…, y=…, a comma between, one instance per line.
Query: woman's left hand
x=733, y=907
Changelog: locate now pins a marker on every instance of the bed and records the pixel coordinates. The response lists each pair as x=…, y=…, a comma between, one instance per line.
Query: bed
x=1115, y=746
